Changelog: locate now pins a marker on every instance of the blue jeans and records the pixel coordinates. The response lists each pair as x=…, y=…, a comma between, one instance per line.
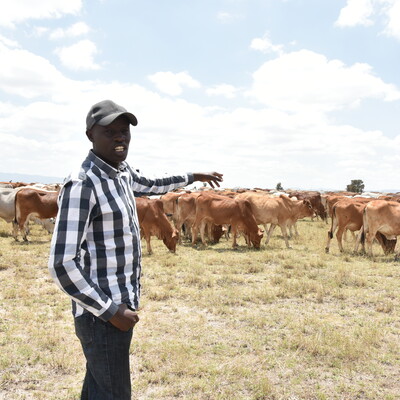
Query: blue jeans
x=106, y=349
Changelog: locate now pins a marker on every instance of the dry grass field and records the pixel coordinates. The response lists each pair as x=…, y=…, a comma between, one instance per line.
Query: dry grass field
x=217, y=323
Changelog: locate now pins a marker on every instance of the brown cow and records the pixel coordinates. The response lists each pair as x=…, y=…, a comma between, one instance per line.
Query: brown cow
x=185, y=212
x=154, y=222
x=315, y=199
x=281, y=211
x=169, y=203
x=381, y=216
x=32, y=202
x=331, y=200
x=222, y=210
x=346, y=214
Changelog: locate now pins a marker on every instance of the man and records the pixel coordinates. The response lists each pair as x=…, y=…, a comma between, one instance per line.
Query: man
x=95, y=254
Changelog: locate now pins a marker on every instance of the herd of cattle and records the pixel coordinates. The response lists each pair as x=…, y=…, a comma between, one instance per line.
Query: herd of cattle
x=214, y=213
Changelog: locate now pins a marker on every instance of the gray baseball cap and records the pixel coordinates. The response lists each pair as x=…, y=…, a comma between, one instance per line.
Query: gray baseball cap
x=105, y=112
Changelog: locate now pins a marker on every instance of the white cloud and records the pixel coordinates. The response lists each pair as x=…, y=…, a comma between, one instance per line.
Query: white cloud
x=172, y=84
x=253, y=147
x=5, y=42
x=356, y=12
x=372, y=12
x=17, y=11
x=226, y=17
x=392, y=12
x=305, y=80
x=79, y=56
x=77, y=29
x=224, y=90
x=39, y=31
x=27, y=75
x=265, y=45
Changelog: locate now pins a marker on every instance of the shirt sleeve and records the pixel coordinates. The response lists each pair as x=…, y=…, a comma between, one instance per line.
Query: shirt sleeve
x=76, y=206
x=146, y=186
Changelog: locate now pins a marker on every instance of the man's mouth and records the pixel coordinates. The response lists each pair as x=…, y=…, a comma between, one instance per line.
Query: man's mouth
x=119, y=149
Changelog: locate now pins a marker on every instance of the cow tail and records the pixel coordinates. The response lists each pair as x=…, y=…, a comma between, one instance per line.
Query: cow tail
x=364, y=228
x=16, y=210
x=330, y=232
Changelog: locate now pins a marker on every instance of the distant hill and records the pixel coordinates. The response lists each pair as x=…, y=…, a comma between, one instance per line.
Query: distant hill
x=7, y=177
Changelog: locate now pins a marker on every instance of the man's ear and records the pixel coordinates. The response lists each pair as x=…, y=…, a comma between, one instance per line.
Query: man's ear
x=89, y=135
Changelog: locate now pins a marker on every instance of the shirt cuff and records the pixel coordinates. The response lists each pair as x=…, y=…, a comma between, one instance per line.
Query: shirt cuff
x=109, y=313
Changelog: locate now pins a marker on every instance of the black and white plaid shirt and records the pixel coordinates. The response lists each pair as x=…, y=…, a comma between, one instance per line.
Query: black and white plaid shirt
x=95, y=254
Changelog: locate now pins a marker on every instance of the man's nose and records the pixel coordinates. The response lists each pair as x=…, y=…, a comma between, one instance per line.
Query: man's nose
x=120, y=136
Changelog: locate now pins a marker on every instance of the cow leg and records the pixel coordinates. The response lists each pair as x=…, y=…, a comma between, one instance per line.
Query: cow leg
x=330, y=233
x=203, y=232
x=234, y=234
x=209, y=231
x=369, y=238
x=194, y=234
x=248, y=240
x=195, y=230
x=188, y=230
x=227, y=229
x=339, y=236
x=147, y=236
x=328, y=243
x=285, y=236
x=149, y=249
x=358, y=241
x=270, y=230
x=178, y=226
x=294, y=227
x=15, y=229
x=24, y=228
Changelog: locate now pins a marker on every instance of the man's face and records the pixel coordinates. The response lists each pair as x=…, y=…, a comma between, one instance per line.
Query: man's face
x=111, y=142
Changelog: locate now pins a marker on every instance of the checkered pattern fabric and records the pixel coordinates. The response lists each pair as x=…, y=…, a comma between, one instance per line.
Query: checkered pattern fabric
x=95, y=254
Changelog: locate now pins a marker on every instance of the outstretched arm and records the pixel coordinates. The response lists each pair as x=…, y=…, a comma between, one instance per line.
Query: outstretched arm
x=213, y=178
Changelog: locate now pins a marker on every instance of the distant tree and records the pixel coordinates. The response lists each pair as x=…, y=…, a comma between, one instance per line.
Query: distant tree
x=279, y=186
x=356, y=186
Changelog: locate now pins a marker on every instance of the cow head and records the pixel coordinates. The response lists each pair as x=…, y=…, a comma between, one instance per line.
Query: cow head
x=308, y=209
x=388, y=245
x=256, y=238
x=217, y=232
x=171, y=241
x=322, y=213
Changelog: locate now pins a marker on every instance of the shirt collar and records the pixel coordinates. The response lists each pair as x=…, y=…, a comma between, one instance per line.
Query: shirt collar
x=104, y=167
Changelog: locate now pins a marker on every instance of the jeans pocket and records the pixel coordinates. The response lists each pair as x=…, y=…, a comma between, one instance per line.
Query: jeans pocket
x=84, y=328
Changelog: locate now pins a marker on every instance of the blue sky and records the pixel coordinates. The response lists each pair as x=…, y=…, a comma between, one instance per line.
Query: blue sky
x=302, y=92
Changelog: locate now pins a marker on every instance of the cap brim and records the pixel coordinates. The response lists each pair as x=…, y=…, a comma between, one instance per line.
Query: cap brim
x=110, y=118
